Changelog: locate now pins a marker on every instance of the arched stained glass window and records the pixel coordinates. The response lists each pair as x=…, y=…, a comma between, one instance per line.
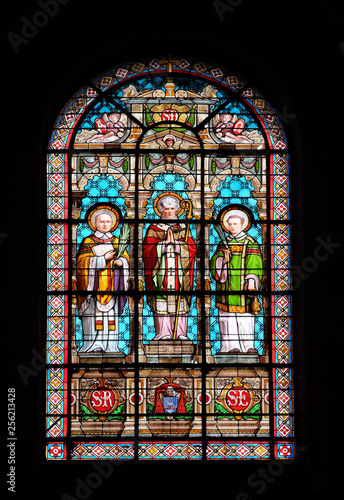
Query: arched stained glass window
x=169, y=269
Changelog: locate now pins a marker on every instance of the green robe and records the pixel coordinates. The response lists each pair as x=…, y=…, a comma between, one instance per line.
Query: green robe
x=245, y=262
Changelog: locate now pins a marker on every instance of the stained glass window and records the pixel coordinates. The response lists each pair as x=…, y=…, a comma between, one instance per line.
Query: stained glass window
x=169, y=329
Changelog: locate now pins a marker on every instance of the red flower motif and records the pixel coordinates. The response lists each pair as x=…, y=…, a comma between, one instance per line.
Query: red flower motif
x=56, y=450
x=285, y=450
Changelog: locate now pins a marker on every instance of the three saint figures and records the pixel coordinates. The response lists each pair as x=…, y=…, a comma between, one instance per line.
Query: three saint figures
x=169, y=255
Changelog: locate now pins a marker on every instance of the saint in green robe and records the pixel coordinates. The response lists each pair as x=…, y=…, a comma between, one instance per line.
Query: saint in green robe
x=245, y=263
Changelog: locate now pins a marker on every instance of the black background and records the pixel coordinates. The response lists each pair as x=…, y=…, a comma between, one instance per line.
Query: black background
x=292, y=52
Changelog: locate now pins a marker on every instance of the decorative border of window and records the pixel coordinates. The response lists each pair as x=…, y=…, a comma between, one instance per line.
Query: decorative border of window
x=57, y=186
x=167, y=450
x=280, y=445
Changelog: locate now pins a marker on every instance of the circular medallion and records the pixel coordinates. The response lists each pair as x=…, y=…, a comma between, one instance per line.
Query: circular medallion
x=208, y=398
x=102, y=400
x=169, y=115
x=238, y=399
x=132, y=398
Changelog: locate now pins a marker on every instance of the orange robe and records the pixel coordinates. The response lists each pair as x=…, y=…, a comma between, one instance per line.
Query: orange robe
x=99, y=310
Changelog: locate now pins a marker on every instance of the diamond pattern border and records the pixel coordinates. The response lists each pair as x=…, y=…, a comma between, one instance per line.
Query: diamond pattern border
x=183, y=450
x=238, y=450
x=96, y=451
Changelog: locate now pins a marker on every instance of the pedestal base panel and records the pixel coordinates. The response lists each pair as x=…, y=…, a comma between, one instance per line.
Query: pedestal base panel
x=174, y=351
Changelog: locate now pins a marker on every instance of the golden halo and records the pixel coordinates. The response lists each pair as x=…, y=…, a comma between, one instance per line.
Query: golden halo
x=239, y=213
x=106, y=209
x=165, y=195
